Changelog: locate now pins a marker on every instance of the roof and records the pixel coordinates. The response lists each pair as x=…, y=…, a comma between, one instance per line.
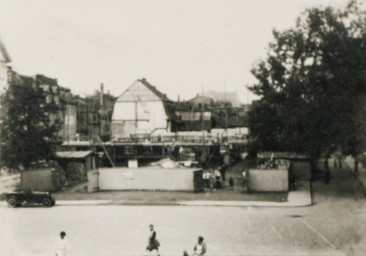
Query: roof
x=231, y=97
x=76, y=143
x=42, y=79
x=202, y=99
x=158, y=93
x=73, y=154
x=283, y=155
x=21, y=80
x=4, y=56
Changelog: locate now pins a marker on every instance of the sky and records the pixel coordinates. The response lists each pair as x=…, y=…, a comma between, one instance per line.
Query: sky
x=183, y=47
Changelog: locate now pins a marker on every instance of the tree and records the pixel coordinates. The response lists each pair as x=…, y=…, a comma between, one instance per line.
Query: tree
x=27, y=132
x=312, y=85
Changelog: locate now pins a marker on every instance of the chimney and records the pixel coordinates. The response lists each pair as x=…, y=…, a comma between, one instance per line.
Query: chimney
x=101, y=95
x=178, y=98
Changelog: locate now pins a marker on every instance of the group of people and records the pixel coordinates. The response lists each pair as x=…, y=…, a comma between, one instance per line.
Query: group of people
x=153, y=245
x=63, y=247
x=214, y=179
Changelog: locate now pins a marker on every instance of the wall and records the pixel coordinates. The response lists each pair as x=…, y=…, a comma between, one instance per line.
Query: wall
x=69, y=129
x=93, y=181
x=150, y=115
x=40, y=180
x=271, y=180
x=178, y=179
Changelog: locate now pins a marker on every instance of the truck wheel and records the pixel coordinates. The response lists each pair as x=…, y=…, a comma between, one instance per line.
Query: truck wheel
x=12, y=202
x=46, y=202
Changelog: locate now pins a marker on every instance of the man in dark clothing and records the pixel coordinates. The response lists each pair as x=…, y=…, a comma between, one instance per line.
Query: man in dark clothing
x=223, y=171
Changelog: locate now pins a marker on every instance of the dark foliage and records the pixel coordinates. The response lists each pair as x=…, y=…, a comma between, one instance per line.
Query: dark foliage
x=313, y=85
x=28, y=133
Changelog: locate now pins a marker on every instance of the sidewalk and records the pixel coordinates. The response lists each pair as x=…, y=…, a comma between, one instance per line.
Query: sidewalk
x=361, y=176
x=297, y=198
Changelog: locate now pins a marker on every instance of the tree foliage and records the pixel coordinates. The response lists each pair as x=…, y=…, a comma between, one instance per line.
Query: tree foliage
x=27, y=132
x=313, y=85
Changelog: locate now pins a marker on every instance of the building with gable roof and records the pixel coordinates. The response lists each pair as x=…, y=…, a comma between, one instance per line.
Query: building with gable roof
x=141, y=110
x=5, y=60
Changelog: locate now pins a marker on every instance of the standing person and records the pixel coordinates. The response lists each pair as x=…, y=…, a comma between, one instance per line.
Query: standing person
x=244, y=175
x=218, y=179
x=153, y=243
x=63, y=247
x=200, y=248
x=223, y=170
x=327, y=176
x=231, y=183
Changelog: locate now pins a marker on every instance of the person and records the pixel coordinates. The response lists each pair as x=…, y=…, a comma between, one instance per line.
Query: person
x=153, y=243
x=218, y=179
x=223, y=170
x=327, y=176
x=206, y=179
x=244, y=175
x=231, y=183
x=63, y=247
x=200, y=248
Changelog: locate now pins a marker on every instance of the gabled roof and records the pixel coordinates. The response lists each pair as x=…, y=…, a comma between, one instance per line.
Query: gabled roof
x=158, y=93
x=141, y=90
x=4, y=56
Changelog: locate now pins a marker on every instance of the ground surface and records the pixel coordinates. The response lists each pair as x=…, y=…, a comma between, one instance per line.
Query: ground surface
x=334, y=225
x=123, y=230
x=159, y=197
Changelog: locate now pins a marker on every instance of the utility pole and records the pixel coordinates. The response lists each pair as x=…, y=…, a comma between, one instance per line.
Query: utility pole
x=202, y=123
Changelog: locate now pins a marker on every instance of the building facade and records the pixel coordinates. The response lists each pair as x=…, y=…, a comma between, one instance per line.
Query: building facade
x=140, y=110
x=64, y=102
x=4, y=68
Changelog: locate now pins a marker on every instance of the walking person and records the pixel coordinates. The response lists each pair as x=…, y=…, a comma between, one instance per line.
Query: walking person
x=63, y=247
x=153, y=243
x=200, y=248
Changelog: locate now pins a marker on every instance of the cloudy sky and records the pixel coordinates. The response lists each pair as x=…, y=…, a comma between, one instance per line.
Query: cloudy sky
x=181, y=46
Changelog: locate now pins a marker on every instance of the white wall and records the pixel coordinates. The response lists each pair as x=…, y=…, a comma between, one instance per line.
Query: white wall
x=271, y=180
x=178, y=179
x=150, y=115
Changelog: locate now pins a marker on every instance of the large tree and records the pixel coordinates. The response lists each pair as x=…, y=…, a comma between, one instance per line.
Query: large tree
x=312, y=85
x=27, y=132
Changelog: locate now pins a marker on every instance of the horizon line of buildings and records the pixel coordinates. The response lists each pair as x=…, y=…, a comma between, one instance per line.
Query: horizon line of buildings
x=140, y=111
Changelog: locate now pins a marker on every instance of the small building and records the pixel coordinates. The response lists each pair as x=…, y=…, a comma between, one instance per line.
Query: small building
x=76, y=164
x=87, y=158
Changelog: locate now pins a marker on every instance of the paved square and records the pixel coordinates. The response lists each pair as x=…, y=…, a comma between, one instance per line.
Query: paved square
x=123, y=230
